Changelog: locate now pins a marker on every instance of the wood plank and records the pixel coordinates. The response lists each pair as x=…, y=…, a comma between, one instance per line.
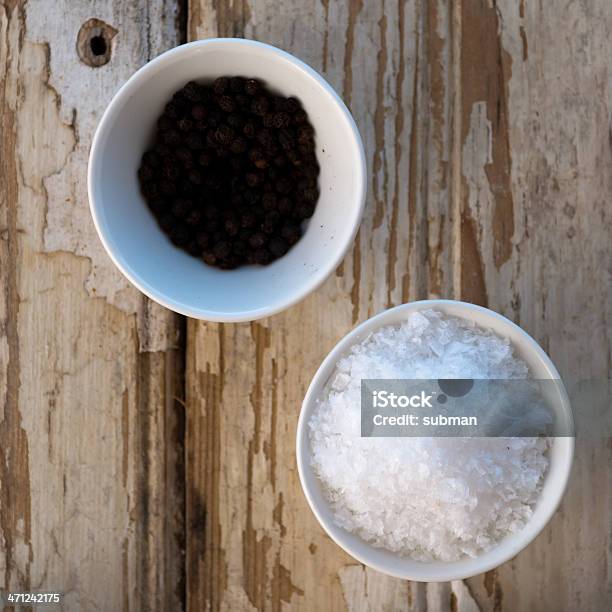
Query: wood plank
x=262, y=548
x=538, y=189
x=90, y=441
x=490, y=180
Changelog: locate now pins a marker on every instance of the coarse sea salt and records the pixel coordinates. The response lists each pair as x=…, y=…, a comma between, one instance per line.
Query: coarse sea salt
x=424, y=498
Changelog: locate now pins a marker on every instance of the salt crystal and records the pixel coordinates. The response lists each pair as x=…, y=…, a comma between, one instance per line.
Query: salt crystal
x=426, y=498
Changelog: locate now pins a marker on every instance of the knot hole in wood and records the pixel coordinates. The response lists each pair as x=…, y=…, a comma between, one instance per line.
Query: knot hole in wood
x=94, y=42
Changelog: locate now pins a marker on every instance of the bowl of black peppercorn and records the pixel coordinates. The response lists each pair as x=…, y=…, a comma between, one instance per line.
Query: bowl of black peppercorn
x=227, y=180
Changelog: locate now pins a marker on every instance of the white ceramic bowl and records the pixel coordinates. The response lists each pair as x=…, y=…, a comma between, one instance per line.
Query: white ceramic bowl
x=130, y=233
x=560, y=455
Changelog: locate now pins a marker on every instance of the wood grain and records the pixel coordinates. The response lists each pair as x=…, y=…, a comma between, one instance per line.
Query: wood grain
x=90, y=440
x=487, y=132
x=490, y=179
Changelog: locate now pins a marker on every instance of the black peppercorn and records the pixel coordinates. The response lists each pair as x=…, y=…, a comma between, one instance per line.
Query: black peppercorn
x=209, y=258
x=167, y=188
x=252, y=87
x=283, y=185
x=236, y=199
x=211, y=139
x=311, y=169
x=262, y=257
x=249, y=129
x=294, y=157
x=185, y=125
x=269, y=201
x=211, y=211
x=161, y=149
x=304, y=210
x=258, y=239
x=269, y=225
x=181, y=208
x=235, y=121
x=278, y=247
x=145, y=173
x=194, y=141
x=165, y=123
x=244, y=235
x=239, y=248
x=172, y=110
x=198, y=112
x=252, y=179
x=220, y=85
x=212, y=182
x=260, y=106
x=192, y=91
x=150, y=190
x=237, y=84
x=205, y=158
x=251, y=197
x=237, y=163
x=184, y=156
x=222, y=249
x=278, y=102
x=231, y=226
x=157, y=206
x=280, y=161
x=180, y=99
x=311, y=195
x=281, y=120
x=291, y=233
x=194, y=218
x=166, y=222
x=292, y=105
x=179, y=235
x=214, y=118
x=265, y=137
x=229, y=263
x=300, y=117
x=171, y=138
x=192, y=248
x=238, y=145
x=151, y=158
x=258, y=158
x=285, y=206
x=247, y=219
x=242, y=101
x=170, y=170
x=286, y=139
x=195, y=176
x=203, y=240
x=224, y=135
x=226, y=104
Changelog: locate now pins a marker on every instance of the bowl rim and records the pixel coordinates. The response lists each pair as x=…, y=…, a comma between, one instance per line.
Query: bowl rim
x=303, y=448
x=95, y=157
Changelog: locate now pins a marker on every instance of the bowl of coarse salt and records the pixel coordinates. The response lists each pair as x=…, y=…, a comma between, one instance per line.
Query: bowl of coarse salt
x=430, y=508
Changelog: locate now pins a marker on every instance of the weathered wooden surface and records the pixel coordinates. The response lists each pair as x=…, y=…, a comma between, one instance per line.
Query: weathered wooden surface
x=487, y=129
x=88, y=368
x=487, y=134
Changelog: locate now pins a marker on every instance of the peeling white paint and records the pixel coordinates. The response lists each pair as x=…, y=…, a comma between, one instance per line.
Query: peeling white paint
x=68, y=224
